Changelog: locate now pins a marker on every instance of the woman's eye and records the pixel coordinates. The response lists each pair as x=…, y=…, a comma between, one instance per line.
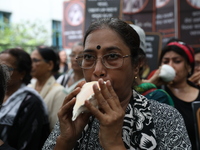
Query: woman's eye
x=165, y=62
x=88, y=57
x=177, y=61
x=113, y=56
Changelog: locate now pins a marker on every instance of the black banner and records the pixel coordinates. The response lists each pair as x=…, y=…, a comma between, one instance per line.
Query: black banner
x=96, y=9
x=190, y=22
x=153, y=49
x=73, y=21
x=166, y=19
x=140, y=12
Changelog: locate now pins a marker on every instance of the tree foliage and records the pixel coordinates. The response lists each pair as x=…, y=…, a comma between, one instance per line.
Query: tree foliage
x=26, y=35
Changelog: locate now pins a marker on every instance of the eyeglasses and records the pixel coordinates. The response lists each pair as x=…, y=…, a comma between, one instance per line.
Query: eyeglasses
x=111, y=61
x=73, y=55
x=11, y=70
x=35, y=60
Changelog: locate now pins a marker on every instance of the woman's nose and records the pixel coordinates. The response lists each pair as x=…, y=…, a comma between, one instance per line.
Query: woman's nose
x=170, y=63
x=99, y=68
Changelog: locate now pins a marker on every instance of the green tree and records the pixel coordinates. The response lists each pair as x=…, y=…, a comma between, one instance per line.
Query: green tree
x=26, y=35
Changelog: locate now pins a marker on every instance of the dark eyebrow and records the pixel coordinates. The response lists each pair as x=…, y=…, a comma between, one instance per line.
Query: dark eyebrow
x=106, y=49
x=88, y=50
x=176, y=57
x=113, y=48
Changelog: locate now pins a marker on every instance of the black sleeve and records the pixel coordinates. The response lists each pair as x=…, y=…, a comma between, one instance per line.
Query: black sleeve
x=6, y=147
x=31, y=125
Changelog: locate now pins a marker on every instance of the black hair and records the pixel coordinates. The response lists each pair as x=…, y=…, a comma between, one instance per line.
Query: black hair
x=173, y=40
x=196, y=50
x=48, y=54
x=124, y=30
x=4, y=77
x=23, y=62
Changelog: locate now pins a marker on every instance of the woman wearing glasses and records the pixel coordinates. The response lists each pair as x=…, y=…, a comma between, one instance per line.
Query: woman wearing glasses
x=71, y=78
x=45, y=62
x=125, y=119
x=23, y=116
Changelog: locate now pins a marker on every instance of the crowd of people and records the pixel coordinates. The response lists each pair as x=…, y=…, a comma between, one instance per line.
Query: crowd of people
x=38, y=92
x=24, y=120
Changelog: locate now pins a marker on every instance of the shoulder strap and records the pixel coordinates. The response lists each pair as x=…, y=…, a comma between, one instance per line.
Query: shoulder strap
x=63, y=79
x=66, y=79
x=148, y=91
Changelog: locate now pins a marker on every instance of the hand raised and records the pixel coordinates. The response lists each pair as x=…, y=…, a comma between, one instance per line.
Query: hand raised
x=110, y=114
x=71, y=130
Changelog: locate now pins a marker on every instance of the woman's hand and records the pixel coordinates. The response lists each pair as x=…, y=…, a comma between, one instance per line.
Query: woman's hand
x=156, y=80
x=110, y=114
x=70, y=130
x=1, y=142
x=195, y=78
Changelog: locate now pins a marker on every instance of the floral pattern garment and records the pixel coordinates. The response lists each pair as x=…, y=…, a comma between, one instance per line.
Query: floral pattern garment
x=147, y=125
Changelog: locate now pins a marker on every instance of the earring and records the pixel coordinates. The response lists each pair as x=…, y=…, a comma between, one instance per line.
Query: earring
x=135, y=77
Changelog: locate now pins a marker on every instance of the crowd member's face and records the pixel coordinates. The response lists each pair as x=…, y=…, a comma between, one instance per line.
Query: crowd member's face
x=77, y=50
x=63, y=56
x=197, y=62
x=106, y=41
x=16, y=76
x=39, y=66
x=179, y=64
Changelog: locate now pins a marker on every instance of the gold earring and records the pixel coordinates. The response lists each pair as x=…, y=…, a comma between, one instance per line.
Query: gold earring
x=135, y=77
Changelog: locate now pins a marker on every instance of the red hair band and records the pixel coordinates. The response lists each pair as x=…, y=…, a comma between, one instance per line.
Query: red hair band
x=185, y=48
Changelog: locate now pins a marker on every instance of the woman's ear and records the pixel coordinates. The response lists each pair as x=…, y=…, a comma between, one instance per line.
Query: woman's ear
x=22, y=75
x=50, y=65
x=136, y=71
x=189, y=69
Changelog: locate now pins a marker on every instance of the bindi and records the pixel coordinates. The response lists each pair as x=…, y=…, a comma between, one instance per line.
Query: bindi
x=98, y=47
